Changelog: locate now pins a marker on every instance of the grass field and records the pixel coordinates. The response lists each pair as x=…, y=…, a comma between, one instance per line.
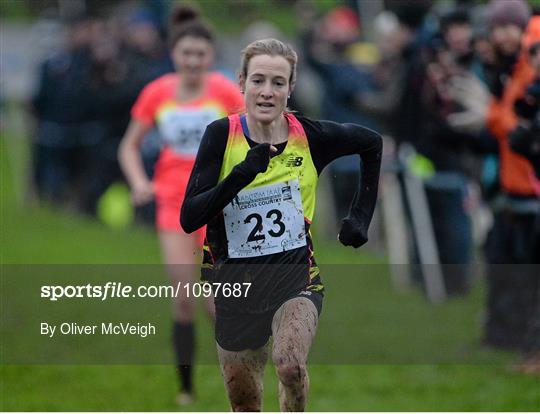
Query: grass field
x=36, y=235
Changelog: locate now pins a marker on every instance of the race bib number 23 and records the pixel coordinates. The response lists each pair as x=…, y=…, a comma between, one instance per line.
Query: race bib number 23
x=265, y=220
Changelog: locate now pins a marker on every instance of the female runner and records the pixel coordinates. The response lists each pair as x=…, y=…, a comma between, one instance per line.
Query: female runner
x=181, y=104
x=254, y=185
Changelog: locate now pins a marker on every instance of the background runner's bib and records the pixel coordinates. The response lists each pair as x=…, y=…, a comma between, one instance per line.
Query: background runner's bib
x=265, y=220
x=182, y=128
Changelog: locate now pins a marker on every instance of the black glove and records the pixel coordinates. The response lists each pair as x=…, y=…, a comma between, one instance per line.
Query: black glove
x=257, y=159
x=353, y=233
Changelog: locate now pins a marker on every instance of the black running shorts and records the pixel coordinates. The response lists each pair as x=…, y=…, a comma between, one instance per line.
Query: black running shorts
x=236, y=331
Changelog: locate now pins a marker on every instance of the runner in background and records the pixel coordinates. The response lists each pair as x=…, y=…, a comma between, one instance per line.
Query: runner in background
x=181, y=104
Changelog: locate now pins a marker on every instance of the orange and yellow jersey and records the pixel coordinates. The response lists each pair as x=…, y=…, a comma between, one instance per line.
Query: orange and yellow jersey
x=258, y=223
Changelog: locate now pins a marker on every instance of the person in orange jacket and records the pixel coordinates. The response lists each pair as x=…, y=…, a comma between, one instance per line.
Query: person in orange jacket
x=511, y=289
x=525, y=140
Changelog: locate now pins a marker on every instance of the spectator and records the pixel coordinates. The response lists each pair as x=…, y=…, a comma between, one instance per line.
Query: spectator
x=525, y=140
x=342, y=80
x=116, y=77
x=511, y=289
x=67, y=128
x=447, y=148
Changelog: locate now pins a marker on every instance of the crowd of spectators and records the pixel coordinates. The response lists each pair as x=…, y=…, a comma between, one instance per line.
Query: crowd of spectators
x=83, y=100
x=459, y=82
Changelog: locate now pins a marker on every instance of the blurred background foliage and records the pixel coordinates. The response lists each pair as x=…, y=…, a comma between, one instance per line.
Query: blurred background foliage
x=230, y=16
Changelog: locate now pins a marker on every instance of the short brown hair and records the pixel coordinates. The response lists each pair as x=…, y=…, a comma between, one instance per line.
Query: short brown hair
x=272, y=47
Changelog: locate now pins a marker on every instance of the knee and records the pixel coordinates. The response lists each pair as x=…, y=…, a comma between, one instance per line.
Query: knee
x=291, y=373
x=245, y=406
x=244, y=400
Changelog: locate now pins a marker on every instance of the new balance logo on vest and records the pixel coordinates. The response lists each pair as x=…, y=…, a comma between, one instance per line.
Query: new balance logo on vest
x=294, y=161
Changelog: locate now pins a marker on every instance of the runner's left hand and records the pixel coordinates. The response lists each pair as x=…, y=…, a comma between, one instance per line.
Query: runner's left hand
x=352, y=233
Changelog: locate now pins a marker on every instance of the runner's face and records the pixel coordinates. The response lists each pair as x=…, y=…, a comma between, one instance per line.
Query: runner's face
x=192, y=57
x=266, y=87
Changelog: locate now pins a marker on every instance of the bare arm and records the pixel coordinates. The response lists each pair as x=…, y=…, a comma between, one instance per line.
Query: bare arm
x=129, y=157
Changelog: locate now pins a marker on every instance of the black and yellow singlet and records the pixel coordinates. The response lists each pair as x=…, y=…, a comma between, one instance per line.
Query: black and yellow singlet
x=258, y=226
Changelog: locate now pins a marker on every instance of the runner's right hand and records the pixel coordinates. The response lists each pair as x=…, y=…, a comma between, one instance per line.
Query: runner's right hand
x=258, y=158
x=142, y=193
